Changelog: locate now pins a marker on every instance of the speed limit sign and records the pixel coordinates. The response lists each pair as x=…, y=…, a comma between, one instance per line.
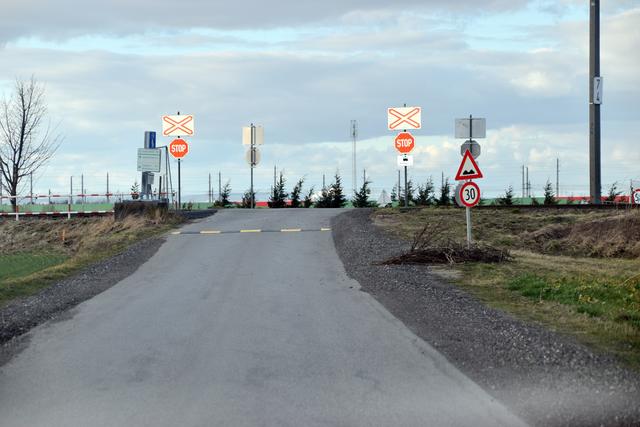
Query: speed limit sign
x=635, y=196
x=469, y=194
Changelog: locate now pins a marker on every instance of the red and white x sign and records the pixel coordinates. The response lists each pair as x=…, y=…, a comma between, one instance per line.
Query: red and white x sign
x=404, y=118
x=177, y=125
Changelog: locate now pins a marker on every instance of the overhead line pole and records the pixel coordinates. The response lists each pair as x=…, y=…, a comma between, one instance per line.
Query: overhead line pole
x=595, y=177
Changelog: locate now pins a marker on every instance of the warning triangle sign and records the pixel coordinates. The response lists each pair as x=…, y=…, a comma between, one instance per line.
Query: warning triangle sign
x=468, y=168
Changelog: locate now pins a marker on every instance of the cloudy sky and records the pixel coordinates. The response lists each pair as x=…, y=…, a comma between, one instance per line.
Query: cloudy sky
x=305, y=69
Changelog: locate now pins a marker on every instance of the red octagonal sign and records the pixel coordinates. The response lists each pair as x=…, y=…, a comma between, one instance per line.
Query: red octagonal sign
x=405, y=142
x=178, y=148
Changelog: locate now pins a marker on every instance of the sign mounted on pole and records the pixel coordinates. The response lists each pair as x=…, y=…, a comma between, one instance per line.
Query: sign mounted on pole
x=181, y=125
x=597, y=90
x=468, y=168
x=469, y=128
x=178, y=148
x=253, y=160
x=405, y=160
x=635, y=196
x=472, y=146
x=148, y=160
x=404, y=142
x=404, y=118
x=258, y=135
x=468, y=194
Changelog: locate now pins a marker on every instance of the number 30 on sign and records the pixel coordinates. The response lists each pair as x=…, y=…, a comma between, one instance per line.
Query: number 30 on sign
x=469, y=194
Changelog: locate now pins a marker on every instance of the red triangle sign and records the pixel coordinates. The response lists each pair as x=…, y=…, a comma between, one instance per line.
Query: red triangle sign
x=468, y=168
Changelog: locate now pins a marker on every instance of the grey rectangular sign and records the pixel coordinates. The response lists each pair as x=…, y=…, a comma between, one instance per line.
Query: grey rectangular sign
x=464, y=125
x=148, y=160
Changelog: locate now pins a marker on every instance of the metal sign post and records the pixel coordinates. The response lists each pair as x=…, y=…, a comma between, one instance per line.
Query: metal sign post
x=176, y=126
x=468, y=193
x=408, y=118
x=253, y=136
x=253, y=163
x=467, y=208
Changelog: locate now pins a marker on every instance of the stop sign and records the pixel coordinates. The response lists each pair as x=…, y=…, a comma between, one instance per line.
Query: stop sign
x=178, y=148
x=404, y=142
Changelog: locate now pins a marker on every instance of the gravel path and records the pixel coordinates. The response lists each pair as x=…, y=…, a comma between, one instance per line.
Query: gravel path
x=547, y=378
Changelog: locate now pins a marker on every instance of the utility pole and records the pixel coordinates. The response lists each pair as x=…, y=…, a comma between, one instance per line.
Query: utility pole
x=354, y=137
x=108, y=187
x=523, y=182
x=219, y=186
x=323, y=182
x=595, y=99
x=528, y=183
x=210, y=188
x=31, y=186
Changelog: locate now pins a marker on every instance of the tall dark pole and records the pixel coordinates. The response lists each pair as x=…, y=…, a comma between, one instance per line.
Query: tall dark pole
x=594, y=103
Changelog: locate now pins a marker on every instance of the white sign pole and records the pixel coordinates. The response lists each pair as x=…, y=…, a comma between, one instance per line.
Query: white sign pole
x=468, y=209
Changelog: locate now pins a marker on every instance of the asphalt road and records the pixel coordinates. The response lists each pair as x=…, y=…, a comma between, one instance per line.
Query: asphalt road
x=238, y=329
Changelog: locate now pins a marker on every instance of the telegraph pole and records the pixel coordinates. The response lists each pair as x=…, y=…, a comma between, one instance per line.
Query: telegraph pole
x=595, y=99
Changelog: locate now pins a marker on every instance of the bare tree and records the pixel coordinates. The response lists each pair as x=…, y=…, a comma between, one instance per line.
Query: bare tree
x=27, y=142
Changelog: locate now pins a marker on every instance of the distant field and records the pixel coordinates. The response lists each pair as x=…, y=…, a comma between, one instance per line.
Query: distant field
x=574, y=271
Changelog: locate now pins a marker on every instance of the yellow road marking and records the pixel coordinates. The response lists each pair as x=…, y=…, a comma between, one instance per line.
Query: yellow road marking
x=325, y=229
x=250, y=231
x=210, y=232
x=290, y=230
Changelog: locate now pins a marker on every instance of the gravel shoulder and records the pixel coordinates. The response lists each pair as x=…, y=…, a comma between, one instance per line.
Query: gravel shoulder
x=547, y=378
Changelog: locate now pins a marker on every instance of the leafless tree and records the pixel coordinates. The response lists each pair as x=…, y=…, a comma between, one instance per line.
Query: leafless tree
x=27, y=140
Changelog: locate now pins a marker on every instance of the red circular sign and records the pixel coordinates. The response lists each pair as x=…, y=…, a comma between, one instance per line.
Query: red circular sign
x=178, y=148
x=405, y=142
x=469, y=194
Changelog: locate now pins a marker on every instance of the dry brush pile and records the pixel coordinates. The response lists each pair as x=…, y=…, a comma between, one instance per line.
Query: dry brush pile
x=434, y=245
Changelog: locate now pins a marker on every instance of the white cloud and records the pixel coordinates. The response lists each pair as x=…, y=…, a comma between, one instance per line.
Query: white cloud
x=305, y=86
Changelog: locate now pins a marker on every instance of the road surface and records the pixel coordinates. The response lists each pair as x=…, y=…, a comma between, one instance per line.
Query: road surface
x=238, y=329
